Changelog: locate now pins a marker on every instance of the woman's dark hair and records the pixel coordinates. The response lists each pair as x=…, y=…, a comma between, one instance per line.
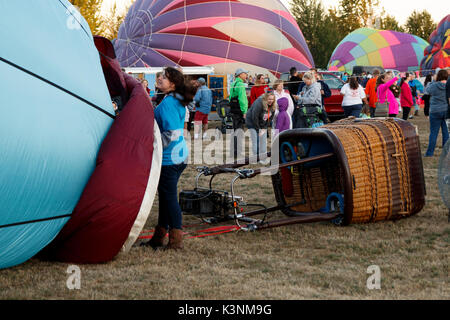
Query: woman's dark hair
x=182, y=86
x=354, y=84
x=428, y=79
x=403, y=79
x=293, y=70
x=442, y=75
x=380, y=80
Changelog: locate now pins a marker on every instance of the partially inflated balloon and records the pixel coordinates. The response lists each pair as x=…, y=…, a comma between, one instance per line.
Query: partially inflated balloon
x=260, y=36
x=437, y=54
x=55, y=113
x=118, y=198
x=384, y=48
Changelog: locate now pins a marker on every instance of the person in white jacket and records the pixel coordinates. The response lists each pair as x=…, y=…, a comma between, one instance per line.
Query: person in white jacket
x=279, y=92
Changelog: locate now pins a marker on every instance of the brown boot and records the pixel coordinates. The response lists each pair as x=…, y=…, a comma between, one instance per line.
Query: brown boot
x=157, y=239
x=175, y=239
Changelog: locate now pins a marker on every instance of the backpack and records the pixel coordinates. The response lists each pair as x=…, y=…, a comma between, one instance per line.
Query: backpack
x=311, y=116
x=235, y=107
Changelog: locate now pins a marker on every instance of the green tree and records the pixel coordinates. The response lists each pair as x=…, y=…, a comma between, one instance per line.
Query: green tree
x=388, y=22
x=90, y=10
x=315, y=25
x=111, y=22
x=420, y=24
x=355, y=14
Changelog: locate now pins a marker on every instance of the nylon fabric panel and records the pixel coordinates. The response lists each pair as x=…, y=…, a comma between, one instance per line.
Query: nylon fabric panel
x=48, y=41
x=49, y=139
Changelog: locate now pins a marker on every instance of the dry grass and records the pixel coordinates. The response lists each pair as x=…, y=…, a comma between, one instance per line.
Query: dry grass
x=312, y=261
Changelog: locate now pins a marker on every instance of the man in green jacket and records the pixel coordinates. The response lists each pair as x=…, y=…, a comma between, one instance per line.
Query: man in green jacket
x=238, y=114
x=238, y=90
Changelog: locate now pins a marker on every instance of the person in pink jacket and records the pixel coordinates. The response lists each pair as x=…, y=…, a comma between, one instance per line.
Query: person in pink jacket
x=406, y=98
x=383, y=83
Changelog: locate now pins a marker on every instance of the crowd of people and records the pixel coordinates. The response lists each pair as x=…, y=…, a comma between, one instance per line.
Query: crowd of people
x=178, y=101
x=365, y=96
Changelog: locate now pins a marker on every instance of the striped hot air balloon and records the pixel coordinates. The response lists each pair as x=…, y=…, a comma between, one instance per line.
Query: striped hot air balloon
x=437, y=54
x=260, y=36
x=383, y=48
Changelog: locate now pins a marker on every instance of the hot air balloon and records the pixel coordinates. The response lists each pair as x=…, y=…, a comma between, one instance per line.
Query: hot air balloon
x=259, y=36
x=55, y=113
x=118, y=198
x=437, y=54
x=384, y=48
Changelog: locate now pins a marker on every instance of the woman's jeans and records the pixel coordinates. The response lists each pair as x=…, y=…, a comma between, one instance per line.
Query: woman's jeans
x=437, y=121
x=170, y=216
x=354, y=110
x=259, y=142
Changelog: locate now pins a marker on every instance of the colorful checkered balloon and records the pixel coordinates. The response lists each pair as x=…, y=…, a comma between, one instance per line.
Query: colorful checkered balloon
x=384, y=48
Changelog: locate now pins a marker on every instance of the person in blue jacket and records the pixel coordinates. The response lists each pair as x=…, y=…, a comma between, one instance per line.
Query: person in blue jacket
x=416, y=87
x=170, y=115
x=203, y=100
x=438, y=111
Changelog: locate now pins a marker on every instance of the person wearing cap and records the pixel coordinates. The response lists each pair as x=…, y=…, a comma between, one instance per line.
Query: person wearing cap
x=203, y=100
x=238, y=90
x=238, y=108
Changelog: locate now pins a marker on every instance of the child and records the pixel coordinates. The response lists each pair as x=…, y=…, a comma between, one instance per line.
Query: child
x=365, y=112
x=284, y=121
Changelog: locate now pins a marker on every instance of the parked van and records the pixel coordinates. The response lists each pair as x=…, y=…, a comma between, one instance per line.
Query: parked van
x=359, y=70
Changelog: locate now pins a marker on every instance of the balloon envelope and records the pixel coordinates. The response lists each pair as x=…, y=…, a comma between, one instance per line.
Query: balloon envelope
x=384, y=48
x=118, y=198
x=55, y=111
x=437, y=54
x=259, y=36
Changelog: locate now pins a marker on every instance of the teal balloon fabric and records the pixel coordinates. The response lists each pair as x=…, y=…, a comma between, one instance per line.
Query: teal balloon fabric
x=55, y=111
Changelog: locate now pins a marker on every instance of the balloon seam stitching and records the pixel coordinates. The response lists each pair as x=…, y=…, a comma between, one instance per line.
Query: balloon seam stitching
x=68, y=11
x=35, y=221
x=56, y=86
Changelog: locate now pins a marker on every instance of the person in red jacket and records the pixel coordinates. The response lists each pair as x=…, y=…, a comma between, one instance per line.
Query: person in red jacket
x=258, y=89
x=371, y=92
x=406, y=98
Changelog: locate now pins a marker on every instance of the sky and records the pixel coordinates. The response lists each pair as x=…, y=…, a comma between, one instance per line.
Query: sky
x=400, y=9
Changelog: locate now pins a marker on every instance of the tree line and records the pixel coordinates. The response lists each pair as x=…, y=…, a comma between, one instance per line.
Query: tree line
x=107, y=24
x=323, y=29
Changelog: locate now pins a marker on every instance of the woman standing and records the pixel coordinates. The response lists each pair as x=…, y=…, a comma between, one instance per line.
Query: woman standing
x=354, y=96
x=279, y=92
x=309, y=95
x=258, y=89
x=257, y=120
x=384, y=81
x=406, y=98
x=426, y=97
x=170, y=115
x=438, y=111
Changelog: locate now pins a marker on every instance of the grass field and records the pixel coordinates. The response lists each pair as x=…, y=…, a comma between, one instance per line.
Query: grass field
x=309, y=261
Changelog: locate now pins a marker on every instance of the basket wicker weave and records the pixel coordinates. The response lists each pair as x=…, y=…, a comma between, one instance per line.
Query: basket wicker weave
x=378, y=169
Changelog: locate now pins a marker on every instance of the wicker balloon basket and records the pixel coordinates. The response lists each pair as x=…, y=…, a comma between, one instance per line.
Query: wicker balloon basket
x=376, y=170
